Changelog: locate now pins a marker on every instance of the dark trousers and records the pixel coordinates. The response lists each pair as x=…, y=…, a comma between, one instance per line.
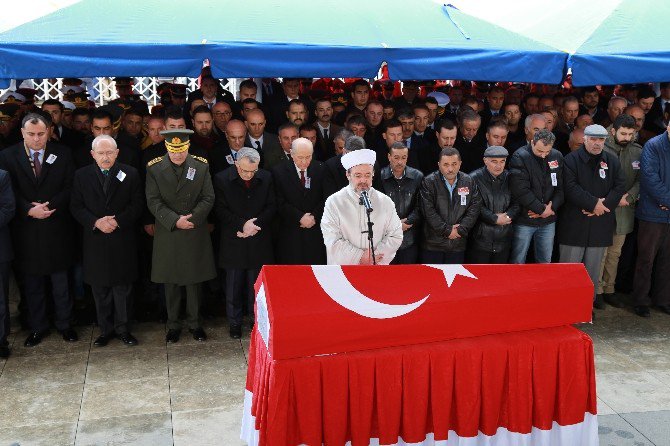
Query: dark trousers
x=653, y=245
x=236, y=281
x=4, y=303
x=173, y=303
x=479, y=256
x=406, y=256
x=112, y=305
x=441, y=257
x=36, y=301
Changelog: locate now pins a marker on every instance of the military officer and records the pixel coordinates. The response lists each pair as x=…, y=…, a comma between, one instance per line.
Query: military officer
x=180, y=196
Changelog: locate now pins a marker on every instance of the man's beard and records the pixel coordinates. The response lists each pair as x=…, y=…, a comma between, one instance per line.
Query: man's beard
x=622, y=143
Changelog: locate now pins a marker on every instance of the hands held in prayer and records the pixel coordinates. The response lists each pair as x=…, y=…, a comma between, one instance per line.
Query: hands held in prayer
x=624, y=200
x=548, y=212
x=307, y=221
x=503, y=219
x=599, y=210
x=40, y=211
x=106, y=224
x=454, y=232
x=366, y=258
x=249, y=229
x=184, y=223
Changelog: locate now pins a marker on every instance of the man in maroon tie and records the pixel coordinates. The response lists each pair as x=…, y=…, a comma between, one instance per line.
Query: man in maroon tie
x=41, y=173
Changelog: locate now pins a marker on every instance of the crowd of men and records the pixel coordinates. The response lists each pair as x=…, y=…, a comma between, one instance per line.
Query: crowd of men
x=142, y=208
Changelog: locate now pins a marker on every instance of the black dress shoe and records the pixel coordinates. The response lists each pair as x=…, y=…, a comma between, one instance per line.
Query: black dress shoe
x=4, y=352
x=642, y=310
x=663, y=308
x=235, y=331
x=128, y=339
x=103, y=340
x=69, y=335
x=613, y=300
x=172, y=336
x=599, y=303
x=34, y=339
x=198, y=334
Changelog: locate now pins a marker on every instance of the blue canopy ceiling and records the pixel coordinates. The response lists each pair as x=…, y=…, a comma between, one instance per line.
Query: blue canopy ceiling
x=273, y=38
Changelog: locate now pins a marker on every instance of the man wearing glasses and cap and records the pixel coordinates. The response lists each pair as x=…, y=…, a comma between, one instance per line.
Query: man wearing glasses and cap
x=180, y=196
x=344, y=221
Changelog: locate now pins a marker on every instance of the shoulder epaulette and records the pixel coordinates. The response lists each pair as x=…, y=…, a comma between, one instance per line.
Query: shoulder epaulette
x=154, y=161
x=201, y=159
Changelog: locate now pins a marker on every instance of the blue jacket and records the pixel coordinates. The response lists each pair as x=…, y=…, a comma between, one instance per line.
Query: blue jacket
x=655, y=180
x=7, y=207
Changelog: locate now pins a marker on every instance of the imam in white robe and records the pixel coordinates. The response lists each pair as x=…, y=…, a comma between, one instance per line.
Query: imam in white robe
x=344, y=221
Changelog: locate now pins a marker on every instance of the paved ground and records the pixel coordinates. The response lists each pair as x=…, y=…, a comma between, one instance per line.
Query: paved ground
x=191, y=393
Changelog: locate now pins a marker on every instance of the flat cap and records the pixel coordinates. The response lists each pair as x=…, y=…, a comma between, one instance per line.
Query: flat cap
x=595, y=131
x=496, y=152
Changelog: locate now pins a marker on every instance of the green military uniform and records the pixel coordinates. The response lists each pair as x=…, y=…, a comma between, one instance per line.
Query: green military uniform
x=181, y=257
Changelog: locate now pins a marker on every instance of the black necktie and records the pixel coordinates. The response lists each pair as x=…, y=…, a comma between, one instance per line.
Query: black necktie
x=325, y=133
x=258, y=145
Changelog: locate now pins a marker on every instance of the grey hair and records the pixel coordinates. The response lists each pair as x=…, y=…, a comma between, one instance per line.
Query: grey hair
x=301, y=142
x=98, y=139
x=613, y=99
x=354, y=143
x=343, y=135
x=533, y=117
x=545, y=136
x=250, y=154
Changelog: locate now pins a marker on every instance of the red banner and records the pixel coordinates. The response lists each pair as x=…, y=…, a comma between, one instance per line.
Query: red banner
x=306, y=311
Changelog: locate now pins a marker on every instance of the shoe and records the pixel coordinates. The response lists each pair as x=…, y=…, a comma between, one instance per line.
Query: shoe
x=69, y=335
x=664, y=309
x=4, y=352
x=235, y=331
x=198, y=334
x=642, y=310
x=172, y=336
x=128, y=339
x=103, y=340
x=34, y=339
x=613, y=300
x=599, y=303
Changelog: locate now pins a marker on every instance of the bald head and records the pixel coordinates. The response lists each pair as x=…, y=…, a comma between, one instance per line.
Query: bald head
x=255, y=123
x=236, y=133
x=637, y=113
x=576, y=139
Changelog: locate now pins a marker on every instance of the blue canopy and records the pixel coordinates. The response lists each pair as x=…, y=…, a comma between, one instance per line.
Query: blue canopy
x=272, y=38
x=608, y=41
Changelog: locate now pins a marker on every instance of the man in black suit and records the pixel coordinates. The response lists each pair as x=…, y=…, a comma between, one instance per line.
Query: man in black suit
x=493, y=107
x=61, y=134
x=257, y=137
x=287, y=134
x=245, y=206
x=107, y=201
x=277, y=106
x=224, y=156
x=211, y=92
x=103, y=123
x=7, y=208
x=415, y=143
x=41, y=173
x=300, y=201
x=470, y=141
x=326, y=130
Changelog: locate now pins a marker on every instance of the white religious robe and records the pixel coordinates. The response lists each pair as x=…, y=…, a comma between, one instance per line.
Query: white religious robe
x=344, y=219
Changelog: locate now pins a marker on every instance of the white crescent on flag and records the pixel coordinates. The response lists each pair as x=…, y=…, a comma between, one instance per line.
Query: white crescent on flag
x=335, y=283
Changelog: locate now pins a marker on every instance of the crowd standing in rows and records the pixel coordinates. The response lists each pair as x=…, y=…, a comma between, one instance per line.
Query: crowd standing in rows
x=140, y=208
